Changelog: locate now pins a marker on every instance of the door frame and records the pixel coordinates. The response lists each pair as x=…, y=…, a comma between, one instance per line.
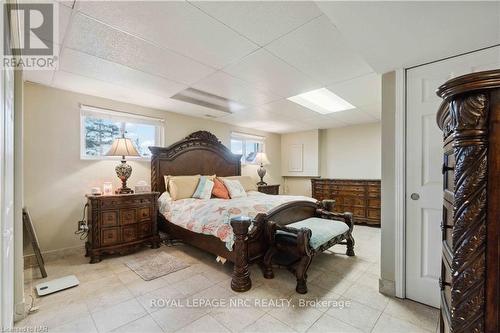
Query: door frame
x=400, y=185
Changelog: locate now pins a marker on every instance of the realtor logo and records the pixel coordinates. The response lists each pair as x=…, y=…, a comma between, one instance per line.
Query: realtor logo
x=29, y=31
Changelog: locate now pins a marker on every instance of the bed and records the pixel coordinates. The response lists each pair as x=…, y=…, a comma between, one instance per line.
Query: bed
x=202, y=153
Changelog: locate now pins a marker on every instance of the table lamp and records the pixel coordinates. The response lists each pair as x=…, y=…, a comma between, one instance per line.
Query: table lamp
x=261, y=158
x=123, y=147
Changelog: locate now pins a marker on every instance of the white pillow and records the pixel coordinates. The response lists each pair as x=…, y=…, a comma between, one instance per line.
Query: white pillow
x=235, y=189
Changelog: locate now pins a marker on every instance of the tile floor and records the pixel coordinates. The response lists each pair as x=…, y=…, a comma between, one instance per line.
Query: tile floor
x=112, y=298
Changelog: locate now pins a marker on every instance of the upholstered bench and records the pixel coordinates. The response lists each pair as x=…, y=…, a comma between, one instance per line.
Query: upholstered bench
x=304, y=239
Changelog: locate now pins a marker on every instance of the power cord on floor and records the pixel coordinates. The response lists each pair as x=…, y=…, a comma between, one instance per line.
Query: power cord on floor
x=83, y=227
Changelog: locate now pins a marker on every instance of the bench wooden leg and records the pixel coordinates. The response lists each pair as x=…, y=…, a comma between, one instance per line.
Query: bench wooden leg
x=350, y=245
x=301, y=274
x=268, y=263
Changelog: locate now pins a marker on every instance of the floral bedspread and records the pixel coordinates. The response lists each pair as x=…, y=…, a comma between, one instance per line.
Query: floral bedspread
x=212, y=216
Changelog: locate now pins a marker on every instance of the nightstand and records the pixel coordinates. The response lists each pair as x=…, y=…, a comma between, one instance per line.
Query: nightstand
x=269, y=189
x=121, y=223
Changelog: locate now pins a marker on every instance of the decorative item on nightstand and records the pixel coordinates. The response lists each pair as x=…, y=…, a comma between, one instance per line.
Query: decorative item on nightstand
x=107, y=188
x=142, y=187
x=123, y=147
x=262, y=159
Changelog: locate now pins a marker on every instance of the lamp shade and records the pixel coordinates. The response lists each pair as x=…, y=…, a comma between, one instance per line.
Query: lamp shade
x=122, y=147
x=261, y=158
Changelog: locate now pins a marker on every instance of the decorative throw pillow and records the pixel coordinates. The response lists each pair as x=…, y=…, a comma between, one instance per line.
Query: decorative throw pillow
x=235, y=188
x=204, y=189
x=220, y=190
x=182, y=187
x=246, y=181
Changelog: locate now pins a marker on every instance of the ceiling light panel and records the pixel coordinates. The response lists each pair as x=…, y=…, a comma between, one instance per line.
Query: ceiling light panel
x=322, y=101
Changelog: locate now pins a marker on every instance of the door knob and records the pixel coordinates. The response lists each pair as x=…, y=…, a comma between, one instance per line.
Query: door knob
x=415, y=196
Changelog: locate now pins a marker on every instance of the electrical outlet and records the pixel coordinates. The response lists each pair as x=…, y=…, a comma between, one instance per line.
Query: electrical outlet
x=82, y=226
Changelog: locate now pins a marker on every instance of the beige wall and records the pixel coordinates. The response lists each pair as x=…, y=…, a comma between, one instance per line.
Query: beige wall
x=351, y=152
x=388, y=182
x=56, y=179
x=310, y=143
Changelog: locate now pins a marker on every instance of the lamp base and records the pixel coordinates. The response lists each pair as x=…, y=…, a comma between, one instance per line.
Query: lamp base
x=261, y=171
x=124, y=190
x=123, y=171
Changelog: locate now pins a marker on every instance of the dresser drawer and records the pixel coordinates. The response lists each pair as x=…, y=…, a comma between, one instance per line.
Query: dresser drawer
x=117, y=202
x=374, y=203
x=129, y=233
x=447, y=224
x=373, y=213
x=110, y=236
x=449, y=172
x=109, y=218
x=353, y=201
x=446, y=281
x=145, y=229
x=358, y=212
x=127, y=216
x=144, y=213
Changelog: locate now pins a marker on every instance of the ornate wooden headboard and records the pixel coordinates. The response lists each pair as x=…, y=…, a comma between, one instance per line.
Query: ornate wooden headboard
x=199, y=153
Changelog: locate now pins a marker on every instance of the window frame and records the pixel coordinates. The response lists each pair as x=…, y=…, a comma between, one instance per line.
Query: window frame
x=124, y=117
x=244, y=137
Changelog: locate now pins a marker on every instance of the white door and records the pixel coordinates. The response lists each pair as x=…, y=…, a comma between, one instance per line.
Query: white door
x=424, y=158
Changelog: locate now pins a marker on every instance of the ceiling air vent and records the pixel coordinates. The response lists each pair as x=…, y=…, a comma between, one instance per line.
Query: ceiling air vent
x=202, y=98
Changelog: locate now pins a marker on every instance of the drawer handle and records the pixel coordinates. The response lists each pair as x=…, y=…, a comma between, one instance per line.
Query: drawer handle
x=446, y=168
x=443, y=284
x=445, y=226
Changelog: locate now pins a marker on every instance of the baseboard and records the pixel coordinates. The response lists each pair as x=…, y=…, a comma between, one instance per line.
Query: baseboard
x=20, y=311
x=387, y=287
x=48, y=256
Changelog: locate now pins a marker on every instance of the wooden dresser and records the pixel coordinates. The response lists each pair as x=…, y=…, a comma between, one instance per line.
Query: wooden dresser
x=470, y=119
x=120, y=223
x=360, y=197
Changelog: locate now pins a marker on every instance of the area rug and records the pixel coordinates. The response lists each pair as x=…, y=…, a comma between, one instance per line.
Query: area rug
x=155, y=265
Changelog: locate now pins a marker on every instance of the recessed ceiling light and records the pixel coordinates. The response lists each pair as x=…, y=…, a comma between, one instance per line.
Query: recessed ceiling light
x=322, y=101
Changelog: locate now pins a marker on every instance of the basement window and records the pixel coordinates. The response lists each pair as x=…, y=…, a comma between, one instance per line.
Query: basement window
x=247, y=145
x=100, y=127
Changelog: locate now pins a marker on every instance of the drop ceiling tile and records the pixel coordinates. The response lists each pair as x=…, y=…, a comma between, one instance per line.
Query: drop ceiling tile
x=352, y=117
x=67, y=3
x=77, y=83
x=268, y=124
x=97, y=39
x=64, y=21
x=87, y=65
x=401, y=34
x=289, y=110
x=363, y=90
x=62, y=16
x=374, y=110
x=261, y=21
x=230, y=87
x=318, y=49
x=269, y=73
x=174, y=25
x=324, y=122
